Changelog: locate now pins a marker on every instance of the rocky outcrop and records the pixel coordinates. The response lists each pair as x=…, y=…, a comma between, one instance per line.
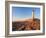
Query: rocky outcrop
x=26, y=25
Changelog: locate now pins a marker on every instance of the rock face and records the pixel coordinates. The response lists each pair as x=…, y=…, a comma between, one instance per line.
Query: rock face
x=26, y=25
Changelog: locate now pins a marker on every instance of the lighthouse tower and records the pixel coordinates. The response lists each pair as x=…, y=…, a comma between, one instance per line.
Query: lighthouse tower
x=33, y=14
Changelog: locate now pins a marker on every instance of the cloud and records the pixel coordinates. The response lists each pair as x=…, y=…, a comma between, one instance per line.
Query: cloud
x=18, y=19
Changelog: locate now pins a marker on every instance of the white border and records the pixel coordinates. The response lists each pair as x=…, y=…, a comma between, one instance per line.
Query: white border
x=24, y=32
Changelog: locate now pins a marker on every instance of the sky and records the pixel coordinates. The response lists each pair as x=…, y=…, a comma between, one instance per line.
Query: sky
x=24, y=12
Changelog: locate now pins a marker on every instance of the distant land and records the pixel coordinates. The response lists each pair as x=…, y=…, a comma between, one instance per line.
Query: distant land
x=28, y=24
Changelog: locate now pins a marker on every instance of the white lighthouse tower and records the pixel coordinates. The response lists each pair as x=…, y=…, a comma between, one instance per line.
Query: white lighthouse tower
x=33, y=14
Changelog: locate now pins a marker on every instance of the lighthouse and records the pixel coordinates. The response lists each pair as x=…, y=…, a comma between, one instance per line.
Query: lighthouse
x=33, y=14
